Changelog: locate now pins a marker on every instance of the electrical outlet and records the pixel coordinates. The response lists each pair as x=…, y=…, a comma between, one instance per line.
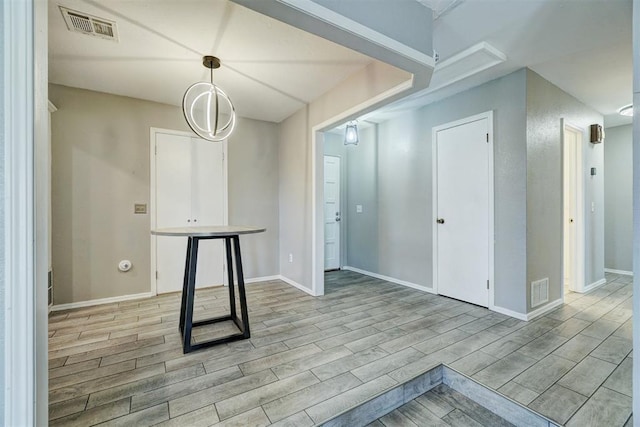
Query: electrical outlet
x=358, y=208
x=290, y=257
x=140, y=208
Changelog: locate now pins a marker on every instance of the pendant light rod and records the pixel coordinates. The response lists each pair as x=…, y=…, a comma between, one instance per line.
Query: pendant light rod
x=213, y=62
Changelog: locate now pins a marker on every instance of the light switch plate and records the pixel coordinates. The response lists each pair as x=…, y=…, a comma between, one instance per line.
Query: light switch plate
x=358, y=208
x=140, y=208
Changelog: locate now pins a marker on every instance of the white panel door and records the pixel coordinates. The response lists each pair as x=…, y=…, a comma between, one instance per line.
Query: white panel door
x=173, y=207
x=189, y=191
x=462, y=231
x=207, y=204
x=332, y=214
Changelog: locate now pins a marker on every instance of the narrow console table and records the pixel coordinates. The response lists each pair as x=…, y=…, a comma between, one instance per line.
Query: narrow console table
x=230, y=234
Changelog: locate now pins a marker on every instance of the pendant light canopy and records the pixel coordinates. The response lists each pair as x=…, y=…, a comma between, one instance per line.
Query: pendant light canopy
x=207, y=108
x=351, y=133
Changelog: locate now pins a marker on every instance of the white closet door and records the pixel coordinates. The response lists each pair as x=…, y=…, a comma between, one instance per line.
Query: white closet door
x=207, y=204
x=190, y=190
x=173, y=207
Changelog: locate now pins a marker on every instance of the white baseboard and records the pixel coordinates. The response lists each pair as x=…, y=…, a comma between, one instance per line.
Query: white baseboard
x=296, y=285
x=593, y=286
x=507, y=312
x=390, y=279
x=544, y=309
x=101, y=301
x=623, y=272
x=531, y=315
x=261, y=279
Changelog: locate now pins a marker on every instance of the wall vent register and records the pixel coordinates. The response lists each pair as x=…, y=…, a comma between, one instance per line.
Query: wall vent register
x=539, y=292
x=79, y=22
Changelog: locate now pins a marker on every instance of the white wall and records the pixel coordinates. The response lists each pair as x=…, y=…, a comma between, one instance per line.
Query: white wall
x=618, y=198
x=101, y=168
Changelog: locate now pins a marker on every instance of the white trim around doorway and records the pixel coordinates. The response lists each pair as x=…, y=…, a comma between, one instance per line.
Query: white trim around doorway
x=20, y=403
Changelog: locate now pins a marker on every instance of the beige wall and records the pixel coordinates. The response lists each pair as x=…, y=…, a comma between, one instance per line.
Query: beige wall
x=100, y=168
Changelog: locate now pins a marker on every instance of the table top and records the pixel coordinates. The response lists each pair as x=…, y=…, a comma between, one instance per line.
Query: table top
x=208, y=231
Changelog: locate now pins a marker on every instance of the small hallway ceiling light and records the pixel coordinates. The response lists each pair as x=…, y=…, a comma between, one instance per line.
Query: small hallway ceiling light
x=207, y=108
x=626, y=111
x=351, y=133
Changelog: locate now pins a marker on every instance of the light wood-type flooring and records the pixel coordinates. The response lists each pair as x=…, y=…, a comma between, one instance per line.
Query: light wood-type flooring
x=309, y=358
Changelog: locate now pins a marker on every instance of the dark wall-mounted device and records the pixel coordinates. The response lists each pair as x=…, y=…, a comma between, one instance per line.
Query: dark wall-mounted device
x=596, y=134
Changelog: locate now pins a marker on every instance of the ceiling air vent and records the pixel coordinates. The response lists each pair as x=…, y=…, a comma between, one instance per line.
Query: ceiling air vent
x=84, y=23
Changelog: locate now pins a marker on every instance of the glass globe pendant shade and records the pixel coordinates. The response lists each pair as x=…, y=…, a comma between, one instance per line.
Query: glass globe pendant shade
x=351, y=134
x=209, y=111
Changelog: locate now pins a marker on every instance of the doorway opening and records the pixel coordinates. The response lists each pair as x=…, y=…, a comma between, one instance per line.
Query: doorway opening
x=572, y=216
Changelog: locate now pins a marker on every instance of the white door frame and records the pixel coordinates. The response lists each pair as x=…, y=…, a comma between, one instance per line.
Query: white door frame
x=434, y=197
x=19, y=314
x=579, y=281
x=152, y=194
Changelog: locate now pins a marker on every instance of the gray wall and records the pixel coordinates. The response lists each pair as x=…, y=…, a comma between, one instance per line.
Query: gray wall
x=396, y=181
x=2, y=277
x=359, y=186
x=618, y=205
x=100, y=168
x=546, y=105
x=362, y=189
x=405, y=186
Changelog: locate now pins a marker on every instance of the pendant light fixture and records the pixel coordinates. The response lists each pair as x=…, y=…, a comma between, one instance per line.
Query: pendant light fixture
x=207, y=108
x=351, y=133
x=626, y=111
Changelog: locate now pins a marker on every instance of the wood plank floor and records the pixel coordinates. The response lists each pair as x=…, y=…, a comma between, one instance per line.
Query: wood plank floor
x=441, y=406
x=311, y=358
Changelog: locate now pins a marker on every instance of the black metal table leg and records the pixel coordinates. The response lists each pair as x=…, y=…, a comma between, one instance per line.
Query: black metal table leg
x=188, y=295
x=184, y=284
x=191, y=288
x=241, y=291
x=232, y=296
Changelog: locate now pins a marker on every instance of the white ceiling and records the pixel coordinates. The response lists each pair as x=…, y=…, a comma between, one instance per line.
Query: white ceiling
x=271, y=69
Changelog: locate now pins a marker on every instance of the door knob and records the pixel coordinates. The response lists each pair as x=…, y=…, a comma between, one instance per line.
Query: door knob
x=440, y=221
x=337, y=216
x=571, y=220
